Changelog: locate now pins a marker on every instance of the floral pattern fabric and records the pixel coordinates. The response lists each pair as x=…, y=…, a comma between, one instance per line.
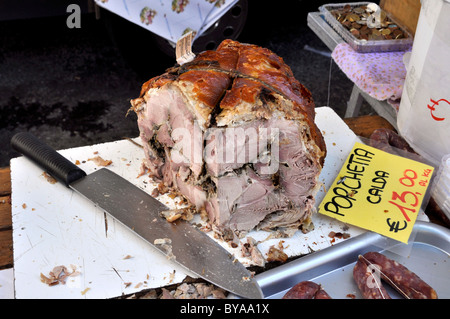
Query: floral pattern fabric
x=170, y=19
x=379, y=74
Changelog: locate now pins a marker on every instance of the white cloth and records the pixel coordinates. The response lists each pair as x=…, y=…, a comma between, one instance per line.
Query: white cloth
x=170, y=19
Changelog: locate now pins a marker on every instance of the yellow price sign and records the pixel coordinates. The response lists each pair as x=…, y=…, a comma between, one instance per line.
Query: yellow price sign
x=378, y=191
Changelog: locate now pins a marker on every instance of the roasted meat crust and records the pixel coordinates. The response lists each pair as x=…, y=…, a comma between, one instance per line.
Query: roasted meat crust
x=254, y=73
x=238, y=86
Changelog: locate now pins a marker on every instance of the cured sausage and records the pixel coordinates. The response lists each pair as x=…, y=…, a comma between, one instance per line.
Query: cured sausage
x=368, y=282
x=383, y=138
x=399, y=277
x=306, y=290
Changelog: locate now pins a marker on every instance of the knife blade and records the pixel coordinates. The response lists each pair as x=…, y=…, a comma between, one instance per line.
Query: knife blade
x=180, y=241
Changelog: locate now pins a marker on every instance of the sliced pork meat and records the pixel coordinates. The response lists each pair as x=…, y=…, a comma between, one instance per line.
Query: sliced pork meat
x=233, y=132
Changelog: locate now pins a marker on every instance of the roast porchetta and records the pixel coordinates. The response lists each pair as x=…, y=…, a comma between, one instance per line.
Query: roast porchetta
x=233, y=132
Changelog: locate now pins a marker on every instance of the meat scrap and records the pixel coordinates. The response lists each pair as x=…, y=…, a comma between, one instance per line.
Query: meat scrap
x=49, y=178
x=100, y=161
x=166, y=246
x=333, y=235
x=276, y=254
x=339, y=235
x=250, y=250
x=233, y=132
x=84, y=291
x=59, y=275
x=171, y=215
x=191, y=291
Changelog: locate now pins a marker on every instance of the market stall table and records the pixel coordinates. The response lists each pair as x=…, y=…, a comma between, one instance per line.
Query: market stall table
x=317, y=23
x=361, y=126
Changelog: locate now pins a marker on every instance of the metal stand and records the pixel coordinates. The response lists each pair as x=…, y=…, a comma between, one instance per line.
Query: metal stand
x=331, y=38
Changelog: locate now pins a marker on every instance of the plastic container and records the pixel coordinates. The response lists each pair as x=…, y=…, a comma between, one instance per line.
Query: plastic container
x=365, y=46
x=441, y=186
x=424, y=114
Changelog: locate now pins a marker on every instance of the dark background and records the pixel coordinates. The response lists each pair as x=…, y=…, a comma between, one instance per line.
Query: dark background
x=71, y=87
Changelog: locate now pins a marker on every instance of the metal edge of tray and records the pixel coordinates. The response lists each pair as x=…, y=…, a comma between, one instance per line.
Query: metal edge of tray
x=279, y=279
x=316, y=22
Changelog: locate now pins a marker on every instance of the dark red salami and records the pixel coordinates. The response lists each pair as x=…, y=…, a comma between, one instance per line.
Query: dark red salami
x=399, y=277
x=368, y=281
x=306, y=290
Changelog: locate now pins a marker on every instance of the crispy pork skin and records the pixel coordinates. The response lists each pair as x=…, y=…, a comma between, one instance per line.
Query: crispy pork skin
x=233, y=132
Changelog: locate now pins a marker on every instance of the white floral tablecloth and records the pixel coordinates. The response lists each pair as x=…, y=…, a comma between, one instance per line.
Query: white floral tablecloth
x=170, y=19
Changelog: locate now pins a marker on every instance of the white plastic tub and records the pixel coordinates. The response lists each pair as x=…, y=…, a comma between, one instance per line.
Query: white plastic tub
x=424, y=115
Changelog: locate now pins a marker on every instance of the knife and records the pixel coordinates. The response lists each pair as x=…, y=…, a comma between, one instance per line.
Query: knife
x=180, y=241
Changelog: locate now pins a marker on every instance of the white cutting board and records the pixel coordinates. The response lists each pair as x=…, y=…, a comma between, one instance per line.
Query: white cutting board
x=53, y=226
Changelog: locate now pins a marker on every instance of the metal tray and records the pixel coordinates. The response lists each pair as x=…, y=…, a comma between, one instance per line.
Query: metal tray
x=364, y=46
x=427, y=254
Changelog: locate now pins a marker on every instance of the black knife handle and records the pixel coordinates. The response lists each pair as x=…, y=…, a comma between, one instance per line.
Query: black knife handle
x=50, y=160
